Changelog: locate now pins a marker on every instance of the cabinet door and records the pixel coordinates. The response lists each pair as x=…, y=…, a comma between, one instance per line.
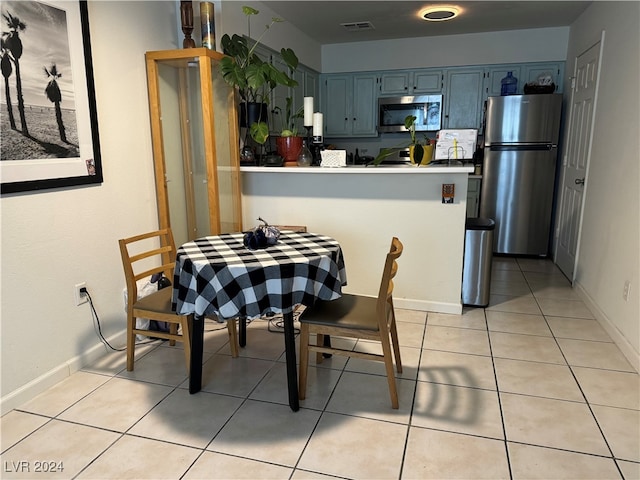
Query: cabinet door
x=311, y=83
x=495, y=76
x=473, y=197
x=463, y=98
x=394, y=82
x=364, y=108
x=533, y=71
x=337, y=105
x=427, y=81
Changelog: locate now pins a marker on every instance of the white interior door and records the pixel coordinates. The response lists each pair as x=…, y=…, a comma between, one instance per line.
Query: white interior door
x=576, y=159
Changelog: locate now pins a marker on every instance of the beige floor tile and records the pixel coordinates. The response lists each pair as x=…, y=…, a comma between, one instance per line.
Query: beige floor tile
x=460, y=369
x=15, y=425
x=141, y=458
x=411, y=316
x=504, y=263
x=555, y=278
x=300, y=474
x=517, y=323
x=186, y=419
x=578, y=329
x=520, y=304
x=564, y=308
x=410, y=334
x=443, y=455
x=552, y=423
x=114, y=362
x=71, y=447
x=457, y=409
x=64, y=394
x=216, y=337
x=525, y=347
x=532, y=462
x=266, y=432
x=320, y=384
x=232, y=376
x=504, y=287
x=409, y=357
x=116, y=405
x=470, y=318
x=538, y=266
x=558, y=292
x=262, y=343
x=583, y=353
x=598, y=386
x=630, y=470
x=164, y=365
x=461, y=340
x=537, y=379
x=621, y=428
x=336, y=439
x=216, y=466
x=368, y=396
x=503, y=275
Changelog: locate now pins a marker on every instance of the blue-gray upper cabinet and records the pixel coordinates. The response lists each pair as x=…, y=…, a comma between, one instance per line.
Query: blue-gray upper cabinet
x=463, y=98
x=495, y=76
x=349, y=105
x=531, y=72
x=410, y=82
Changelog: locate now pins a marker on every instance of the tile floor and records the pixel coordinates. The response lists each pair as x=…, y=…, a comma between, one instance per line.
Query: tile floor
x=530, y=387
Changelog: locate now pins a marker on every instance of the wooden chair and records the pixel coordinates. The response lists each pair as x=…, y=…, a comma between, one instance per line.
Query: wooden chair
x=142, y=256
x=355, y=316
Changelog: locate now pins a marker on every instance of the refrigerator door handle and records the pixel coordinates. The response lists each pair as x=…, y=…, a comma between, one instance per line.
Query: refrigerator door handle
x=520, y=147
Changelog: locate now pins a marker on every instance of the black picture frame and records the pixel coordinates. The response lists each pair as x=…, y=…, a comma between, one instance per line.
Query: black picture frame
x=35, y=174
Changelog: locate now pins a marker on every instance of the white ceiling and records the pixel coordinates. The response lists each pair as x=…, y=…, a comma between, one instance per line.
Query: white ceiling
x=321, y=20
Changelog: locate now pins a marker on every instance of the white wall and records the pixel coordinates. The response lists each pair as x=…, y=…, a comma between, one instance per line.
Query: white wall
x=52, y=240
x=609, y=251
x=516, y=46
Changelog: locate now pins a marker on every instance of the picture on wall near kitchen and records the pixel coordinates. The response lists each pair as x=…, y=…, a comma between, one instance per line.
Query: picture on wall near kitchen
x=48, y=122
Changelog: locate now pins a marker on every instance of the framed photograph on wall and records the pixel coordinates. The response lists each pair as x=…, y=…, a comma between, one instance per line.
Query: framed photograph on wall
x=48, y=120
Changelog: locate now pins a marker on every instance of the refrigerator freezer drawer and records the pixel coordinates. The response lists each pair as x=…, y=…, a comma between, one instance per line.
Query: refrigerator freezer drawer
x=517, y=192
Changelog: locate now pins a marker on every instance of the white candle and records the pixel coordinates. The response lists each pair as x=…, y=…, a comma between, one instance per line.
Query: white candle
x=308, y=111
x=317, y=124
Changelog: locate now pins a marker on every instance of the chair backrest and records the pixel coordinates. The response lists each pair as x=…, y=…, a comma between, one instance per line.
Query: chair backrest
x=144, y=255
x=385, y=294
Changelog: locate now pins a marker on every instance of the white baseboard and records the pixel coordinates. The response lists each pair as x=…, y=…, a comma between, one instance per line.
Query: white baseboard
x=621, y=342
x=27, y=392
x=426, y=306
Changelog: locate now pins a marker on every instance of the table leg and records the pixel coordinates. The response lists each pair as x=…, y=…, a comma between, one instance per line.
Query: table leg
x=242, y=334
x=290, y=353
x=195, y=367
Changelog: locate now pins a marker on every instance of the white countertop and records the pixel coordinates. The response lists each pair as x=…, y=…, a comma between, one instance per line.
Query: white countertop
x=358, y=169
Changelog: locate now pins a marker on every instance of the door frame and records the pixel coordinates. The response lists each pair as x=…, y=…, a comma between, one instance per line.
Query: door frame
x=566, y=142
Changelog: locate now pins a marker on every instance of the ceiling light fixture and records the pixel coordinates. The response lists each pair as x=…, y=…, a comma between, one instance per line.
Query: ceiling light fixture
x=439, y=13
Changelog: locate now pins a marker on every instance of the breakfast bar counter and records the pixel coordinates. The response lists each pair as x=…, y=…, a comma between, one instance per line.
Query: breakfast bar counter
x=363, y=208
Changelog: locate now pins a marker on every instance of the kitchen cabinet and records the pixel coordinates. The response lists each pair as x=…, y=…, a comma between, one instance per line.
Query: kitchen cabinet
x=411, y=82
x=494, y=78
x=530, y=73
x=473, y=197
x=349, y=105
x=194, y=133
x=463, y=98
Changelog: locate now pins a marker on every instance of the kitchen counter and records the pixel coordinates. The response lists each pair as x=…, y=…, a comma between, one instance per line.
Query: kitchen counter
x=358, y=169
x=362, y=208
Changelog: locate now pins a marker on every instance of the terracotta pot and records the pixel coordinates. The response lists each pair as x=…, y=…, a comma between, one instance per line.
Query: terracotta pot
x=289, y=148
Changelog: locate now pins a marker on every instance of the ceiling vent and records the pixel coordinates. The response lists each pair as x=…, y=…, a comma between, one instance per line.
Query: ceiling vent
x=358, y=26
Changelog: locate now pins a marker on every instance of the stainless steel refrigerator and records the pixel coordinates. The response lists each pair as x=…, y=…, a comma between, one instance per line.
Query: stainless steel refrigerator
x=521, y=148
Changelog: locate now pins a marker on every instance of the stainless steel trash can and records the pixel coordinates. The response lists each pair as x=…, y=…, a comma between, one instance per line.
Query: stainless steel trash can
x=478, y=256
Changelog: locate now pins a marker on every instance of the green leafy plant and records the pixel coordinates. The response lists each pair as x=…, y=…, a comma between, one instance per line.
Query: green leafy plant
x=410, y=125
x=288, y=120
x=254, y=78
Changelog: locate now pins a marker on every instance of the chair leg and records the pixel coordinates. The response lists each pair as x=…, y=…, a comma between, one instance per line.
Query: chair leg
x=131, y=342
x=319, y=343
x=173, y=330
x=186, y=340
x=303, y=339
x=233, y=338
x=391, y=378
x=396, y=346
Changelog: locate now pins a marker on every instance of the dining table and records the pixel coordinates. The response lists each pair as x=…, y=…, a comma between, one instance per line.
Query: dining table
x=218, y=276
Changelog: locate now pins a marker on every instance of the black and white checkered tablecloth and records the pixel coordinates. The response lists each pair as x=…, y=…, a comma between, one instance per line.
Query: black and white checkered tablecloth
x=219, y=275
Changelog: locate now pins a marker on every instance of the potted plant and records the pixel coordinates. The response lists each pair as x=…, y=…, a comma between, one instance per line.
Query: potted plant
x=289, y=144
x=420, y=151
x=254, y=78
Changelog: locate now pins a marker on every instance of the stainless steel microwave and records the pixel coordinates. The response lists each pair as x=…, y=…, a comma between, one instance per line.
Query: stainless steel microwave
x=393, y=110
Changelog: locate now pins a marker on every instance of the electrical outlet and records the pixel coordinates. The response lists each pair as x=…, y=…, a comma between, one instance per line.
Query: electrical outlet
x=625, y=290
x=80, y=296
